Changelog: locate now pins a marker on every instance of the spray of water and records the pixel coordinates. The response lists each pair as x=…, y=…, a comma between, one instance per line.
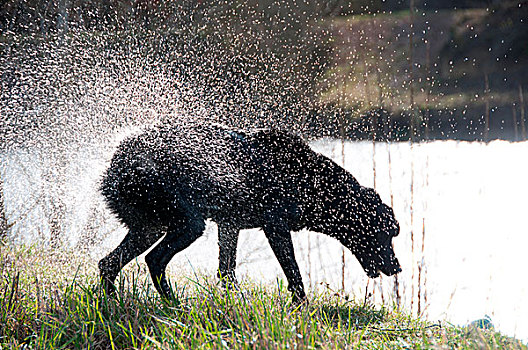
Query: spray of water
x=72, y=96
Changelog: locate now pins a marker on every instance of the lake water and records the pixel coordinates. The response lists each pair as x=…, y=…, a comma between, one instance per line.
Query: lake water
x=468, y=203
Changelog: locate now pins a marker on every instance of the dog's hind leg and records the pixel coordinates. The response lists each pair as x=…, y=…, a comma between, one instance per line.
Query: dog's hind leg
x=179, y=236
x=137, y=241
x=227, y=244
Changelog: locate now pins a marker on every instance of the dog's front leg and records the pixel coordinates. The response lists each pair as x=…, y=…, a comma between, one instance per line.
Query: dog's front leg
x=279, y=237
x=227, y=244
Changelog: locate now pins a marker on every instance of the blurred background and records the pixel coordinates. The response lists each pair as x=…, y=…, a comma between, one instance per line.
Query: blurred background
x=388, y=69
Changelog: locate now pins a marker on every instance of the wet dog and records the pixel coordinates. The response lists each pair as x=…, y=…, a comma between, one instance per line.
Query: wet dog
x=166, y=181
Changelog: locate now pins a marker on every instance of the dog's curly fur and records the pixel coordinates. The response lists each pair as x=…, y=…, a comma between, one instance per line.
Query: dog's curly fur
x=167, y=180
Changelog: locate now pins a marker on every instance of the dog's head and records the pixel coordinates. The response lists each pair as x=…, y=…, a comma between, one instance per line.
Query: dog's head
x=367, y=227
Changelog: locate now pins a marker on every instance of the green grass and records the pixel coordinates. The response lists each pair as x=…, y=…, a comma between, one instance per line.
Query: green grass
x=52, y=301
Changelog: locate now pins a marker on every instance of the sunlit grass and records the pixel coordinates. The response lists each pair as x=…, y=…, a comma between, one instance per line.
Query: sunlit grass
x=58, y=305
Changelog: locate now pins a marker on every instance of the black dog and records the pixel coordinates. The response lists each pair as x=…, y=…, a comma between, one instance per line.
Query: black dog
x=168, y=180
